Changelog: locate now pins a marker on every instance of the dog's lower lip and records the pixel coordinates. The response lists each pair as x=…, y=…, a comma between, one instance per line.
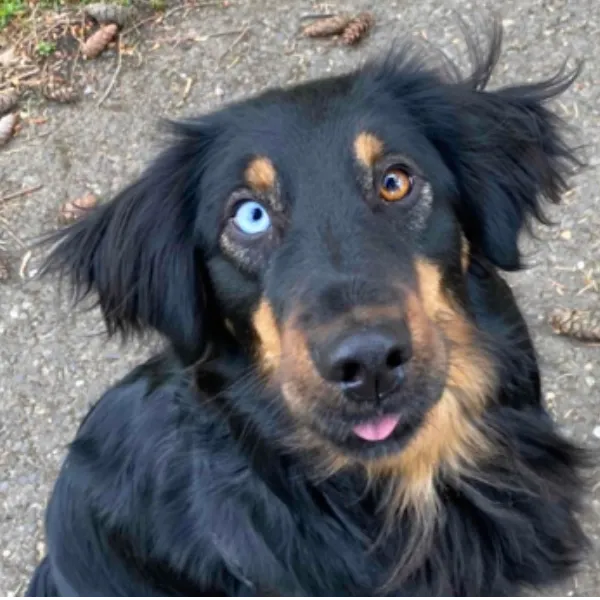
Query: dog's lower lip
x=378, y=429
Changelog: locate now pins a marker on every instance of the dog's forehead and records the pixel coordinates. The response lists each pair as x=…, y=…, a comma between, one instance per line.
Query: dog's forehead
x=309, y=119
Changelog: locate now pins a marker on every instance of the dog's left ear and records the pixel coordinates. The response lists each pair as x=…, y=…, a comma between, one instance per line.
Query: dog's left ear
x=138, y=253
x=509, y=153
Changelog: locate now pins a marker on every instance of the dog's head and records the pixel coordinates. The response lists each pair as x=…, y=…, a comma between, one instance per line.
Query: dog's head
x=325, y=230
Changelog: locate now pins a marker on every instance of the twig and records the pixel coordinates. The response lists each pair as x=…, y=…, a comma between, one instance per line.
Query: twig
x=114, y=77
x=316, y=16
x=158, y=18
x=235, y=42
x=24, y=192
x=154, y=18
x=205, y=4
x=11, y=233
x=224, y=33
x=24, y=264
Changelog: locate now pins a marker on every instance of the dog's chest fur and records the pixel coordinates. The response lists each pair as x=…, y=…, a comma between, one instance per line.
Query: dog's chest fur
x=251, y=522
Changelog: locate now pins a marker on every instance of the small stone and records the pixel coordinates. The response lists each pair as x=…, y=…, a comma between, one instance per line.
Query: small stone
x=40, y=548
x=588, y=366
x=550, y=396
x=4, y=270
x=590, y=381
x=581, y=265
x=596, y=432
x=566, y=234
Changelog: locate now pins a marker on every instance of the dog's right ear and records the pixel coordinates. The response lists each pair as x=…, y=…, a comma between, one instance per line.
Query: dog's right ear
x=138, y=252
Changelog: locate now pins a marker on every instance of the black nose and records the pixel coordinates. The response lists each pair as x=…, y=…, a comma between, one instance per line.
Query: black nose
x=369, y=363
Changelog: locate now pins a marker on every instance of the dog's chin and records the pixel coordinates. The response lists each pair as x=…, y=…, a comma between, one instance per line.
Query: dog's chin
x=376, y=433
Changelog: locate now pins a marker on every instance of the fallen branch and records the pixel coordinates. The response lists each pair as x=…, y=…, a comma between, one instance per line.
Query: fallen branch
x=24, y=192
x=114, y=77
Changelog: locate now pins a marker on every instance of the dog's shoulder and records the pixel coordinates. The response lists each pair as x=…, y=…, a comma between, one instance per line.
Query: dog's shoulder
x=144, y=437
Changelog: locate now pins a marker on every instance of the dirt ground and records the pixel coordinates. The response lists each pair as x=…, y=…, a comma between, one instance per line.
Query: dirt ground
x=54, y=364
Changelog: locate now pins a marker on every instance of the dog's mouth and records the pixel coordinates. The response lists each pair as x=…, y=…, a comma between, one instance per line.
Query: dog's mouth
x=382, y=430
x=377, y=429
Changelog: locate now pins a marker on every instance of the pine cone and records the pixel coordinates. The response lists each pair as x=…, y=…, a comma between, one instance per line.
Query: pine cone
x=8, y=100
x=7, y=127
x=110, y=13
x=327, y=26
x=59, y=92
x=357, y=28
x=73, y=210
x=583, y=325
x=98, y=41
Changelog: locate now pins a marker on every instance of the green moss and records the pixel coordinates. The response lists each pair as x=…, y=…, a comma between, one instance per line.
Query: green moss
x=10, y=9
x=45, y=48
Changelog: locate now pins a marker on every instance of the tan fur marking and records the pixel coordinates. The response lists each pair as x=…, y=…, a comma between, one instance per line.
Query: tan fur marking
x=266, y=328
x=301, y=381
x=260, y=174
x=367, y=149
x=371, y=314
x=448, y=440
x=465, y=253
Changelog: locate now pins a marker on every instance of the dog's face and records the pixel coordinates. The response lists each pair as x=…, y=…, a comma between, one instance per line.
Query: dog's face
x=327, y=229
x=334, y=252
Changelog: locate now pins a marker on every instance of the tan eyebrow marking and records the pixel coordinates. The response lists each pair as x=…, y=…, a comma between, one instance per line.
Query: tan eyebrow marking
x=368, y=148
x=260, y=174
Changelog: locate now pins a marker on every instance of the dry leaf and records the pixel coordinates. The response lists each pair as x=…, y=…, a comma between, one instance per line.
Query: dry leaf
x=110, y=13
x=98, y=41
x=8, y=58
x=73, y=210
x=357, y=28
x=8, y=101
x=583, y=325
x=327, y=26
x=59, y=91
x=7, y=127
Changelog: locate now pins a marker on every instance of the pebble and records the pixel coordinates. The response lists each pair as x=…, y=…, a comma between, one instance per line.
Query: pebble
x=596, y=432
x=40, y=548
x=590, y=381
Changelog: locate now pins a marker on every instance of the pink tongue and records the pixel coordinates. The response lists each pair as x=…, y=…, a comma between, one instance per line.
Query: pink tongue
x=376, y=430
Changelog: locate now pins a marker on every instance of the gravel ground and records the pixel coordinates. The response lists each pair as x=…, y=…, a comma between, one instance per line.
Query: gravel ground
x=54, y=364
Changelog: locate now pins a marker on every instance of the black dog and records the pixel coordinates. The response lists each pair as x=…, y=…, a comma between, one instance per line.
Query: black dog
x=350, y=403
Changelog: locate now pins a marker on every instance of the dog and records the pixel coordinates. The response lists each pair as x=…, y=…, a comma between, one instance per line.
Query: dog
x=348, y=401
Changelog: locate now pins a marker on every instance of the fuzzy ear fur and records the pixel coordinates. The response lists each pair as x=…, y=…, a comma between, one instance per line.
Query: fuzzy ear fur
x=138, y=252
x=505, y=147
x=512, y=155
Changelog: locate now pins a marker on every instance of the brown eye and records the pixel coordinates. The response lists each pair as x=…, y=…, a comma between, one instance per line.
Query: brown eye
x=395, y=184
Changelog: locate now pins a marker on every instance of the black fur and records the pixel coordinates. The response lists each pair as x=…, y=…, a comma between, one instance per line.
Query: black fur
x=179, y=480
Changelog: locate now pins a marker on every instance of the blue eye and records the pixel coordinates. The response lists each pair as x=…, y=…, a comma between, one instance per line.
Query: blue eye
x=252, y=218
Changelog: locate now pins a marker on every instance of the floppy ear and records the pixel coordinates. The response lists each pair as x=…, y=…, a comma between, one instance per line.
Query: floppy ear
x=505, y=147
x=138, y=252
x=512, y=155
